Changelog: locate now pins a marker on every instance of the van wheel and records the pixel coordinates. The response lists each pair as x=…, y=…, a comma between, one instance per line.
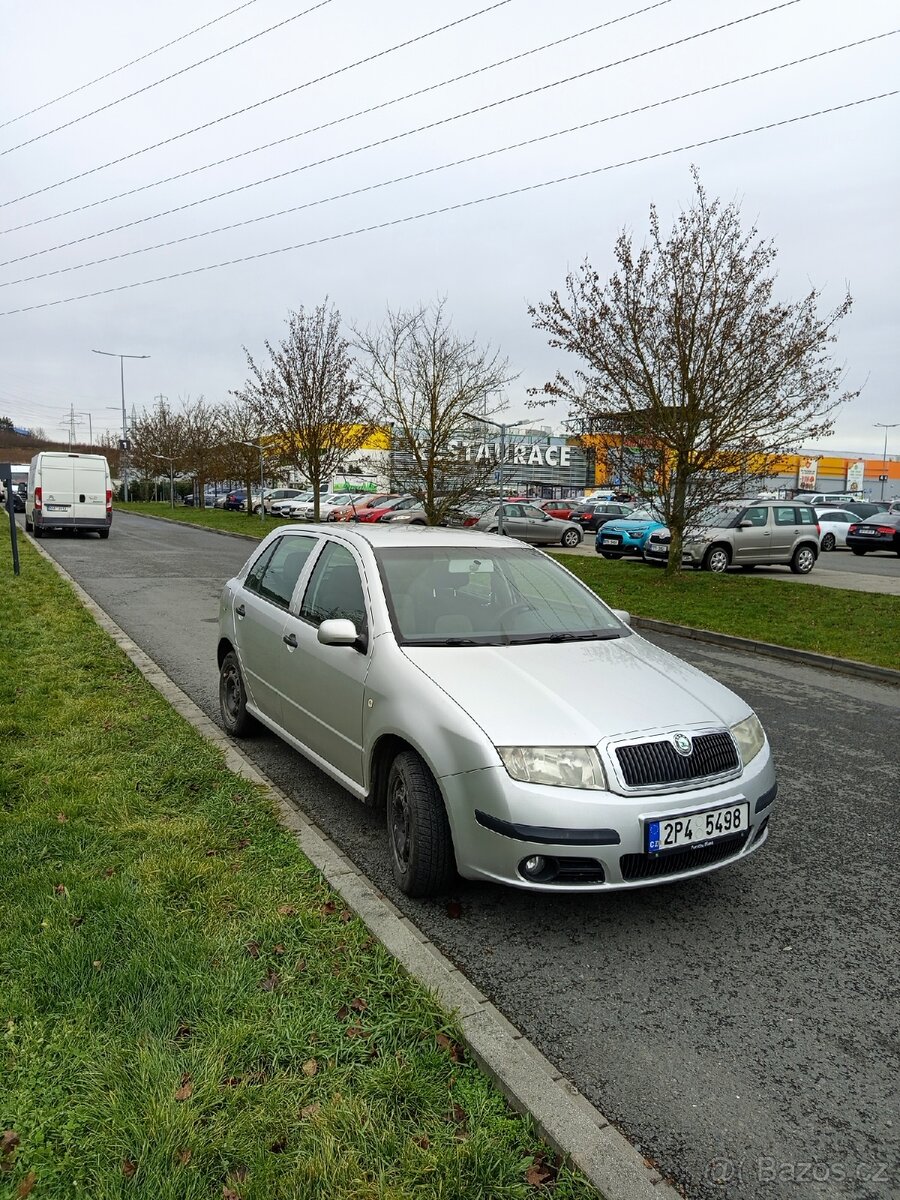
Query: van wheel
x=28, y=526
x=104, y=533
x=717, y=559
x=418, y=830
x=38, y=531
x=233, y=698
x=803, y=561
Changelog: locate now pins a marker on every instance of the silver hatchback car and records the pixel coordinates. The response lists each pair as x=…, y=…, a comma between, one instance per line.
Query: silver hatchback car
x=512, y=726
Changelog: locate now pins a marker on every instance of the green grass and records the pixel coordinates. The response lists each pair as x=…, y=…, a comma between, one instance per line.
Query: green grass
x=187, y=1010
x=857, y=625
x=210, y=518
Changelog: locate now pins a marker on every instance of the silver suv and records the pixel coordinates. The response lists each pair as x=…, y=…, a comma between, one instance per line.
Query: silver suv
x=758, y=533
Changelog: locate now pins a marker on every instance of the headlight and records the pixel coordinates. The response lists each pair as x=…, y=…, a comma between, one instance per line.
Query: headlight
x=750, y=738
x=556, y=766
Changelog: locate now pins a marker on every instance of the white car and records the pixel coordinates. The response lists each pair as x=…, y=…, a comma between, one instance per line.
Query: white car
x=833, y=523
x=304, y=510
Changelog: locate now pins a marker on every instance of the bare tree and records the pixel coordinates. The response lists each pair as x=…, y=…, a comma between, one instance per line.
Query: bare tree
x=158, y=435
x=307, y=398
x=201, y=442
x=427, y=380
x=688, y=353
x=241, y=431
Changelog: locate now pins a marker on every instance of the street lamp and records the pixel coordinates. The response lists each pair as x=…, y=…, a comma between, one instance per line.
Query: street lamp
x=262, y=499
x=171, y=462
x=503, y=426
x=884, y=472
x=121, y=358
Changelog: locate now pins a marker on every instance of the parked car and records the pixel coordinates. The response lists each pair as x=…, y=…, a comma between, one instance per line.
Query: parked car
x=510, y=725
x=305, y=509
x=627, y=536
x=405, y=514
x=279, y=508
x=273, y=495
x=591, y=516
x=530, y=524
x=375, y=500
x=862, y=508
x=211, y=499
x=234, y=501
x=759, y=533
x=818, y=499
x=881, y=532
x=376, y=512
x=833, y=523
x=561, y=509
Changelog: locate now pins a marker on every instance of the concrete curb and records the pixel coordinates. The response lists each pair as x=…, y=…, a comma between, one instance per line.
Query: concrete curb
x=844, y=666
x=565, y=1118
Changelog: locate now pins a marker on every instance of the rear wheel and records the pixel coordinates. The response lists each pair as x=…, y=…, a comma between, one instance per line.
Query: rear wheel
x=38, y=530
x=804, y=560
x=418, y=830
x=571, y=538
x=28, y=525
x=104, y=533
x=233, y=698
x=859, y=552
x=828, y=542
x=717, y=559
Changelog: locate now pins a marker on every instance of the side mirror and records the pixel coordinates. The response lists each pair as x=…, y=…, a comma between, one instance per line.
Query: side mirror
x=745, y=524
x=624, y=617
x=546, y=517
x=337, y=631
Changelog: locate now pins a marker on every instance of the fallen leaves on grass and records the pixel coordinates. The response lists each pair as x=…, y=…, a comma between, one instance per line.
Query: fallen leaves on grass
x=60, y=889
x=252, y=949
x=278, y=948
x=310, y=1067
x=454, y=1049
x=460, y=1119
x=542, y=1171
x=9, y=1139
x=183, y=1033
x=186, y=1090
x=279, y=1145
x=25, y=1186
x=310, y=1110
x=184, y=1156
x=422, y=1142
x=286, y=910
x=62, y=818
x=97, y=964
x=357, y=1031
x=129, y=1167
x=271, y=981
x=328, y=909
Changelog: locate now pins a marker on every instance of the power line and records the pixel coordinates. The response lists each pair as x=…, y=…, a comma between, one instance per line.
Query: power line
x=463, y=204
x=259, y=103
x=443, y=166
x=115, y=71
x=397, y=136
x=166, y=78
x=361, y=112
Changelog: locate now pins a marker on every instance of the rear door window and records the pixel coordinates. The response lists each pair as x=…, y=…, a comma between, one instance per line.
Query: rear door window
x=274, y=575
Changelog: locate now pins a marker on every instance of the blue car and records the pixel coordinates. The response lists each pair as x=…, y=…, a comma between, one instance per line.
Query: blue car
x=627, y=536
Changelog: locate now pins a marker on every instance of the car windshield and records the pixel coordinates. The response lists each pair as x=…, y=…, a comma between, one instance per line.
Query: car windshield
x=643, y=514
x=452, y=596
x=721, y=517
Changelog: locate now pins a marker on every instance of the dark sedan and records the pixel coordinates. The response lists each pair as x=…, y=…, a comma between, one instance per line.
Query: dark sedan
x=881, y=532
x=592, y=516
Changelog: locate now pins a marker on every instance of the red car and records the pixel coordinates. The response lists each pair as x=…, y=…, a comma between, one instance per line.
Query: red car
x=559, y=508
x=350, y=511
x=375, y=514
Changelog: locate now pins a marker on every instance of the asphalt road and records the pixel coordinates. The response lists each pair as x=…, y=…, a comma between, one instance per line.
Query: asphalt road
x=742, y=1029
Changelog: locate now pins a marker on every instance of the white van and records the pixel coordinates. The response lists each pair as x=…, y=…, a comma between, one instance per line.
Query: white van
x=68, y=491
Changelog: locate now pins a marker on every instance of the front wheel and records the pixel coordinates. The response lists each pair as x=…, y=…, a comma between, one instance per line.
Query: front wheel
x=418, y=830
x=257, y=509
x=233, y=698
x=803, y=561
x=570, y=538
x=717, y=559
x=828, y=542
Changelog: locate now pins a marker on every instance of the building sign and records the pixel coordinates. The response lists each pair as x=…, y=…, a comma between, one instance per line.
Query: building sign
x=856, y=473
x=806, y=474
x=521, y=454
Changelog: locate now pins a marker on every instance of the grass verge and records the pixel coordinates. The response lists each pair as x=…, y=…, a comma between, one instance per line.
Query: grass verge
x=187, y=1011
x=827, y=620
x=209, y=518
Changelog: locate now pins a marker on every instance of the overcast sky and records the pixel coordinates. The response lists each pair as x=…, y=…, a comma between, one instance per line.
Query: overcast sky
x=825, y=189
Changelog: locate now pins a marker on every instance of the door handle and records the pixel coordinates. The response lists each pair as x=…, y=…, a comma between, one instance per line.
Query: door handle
x=290, y=640
x=239, y=610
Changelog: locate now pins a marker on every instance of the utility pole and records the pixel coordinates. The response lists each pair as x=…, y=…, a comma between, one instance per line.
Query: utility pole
x=884, y=473
x=121, y=358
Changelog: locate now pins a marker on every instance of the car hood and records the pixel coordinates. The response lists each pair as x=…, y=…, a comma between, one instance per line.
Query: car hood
x=575, y=693
x=624, y=525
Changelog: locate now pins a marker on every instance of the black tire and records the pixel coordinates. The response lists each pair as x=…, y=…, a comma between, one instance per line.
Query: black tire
x=104, y=533
x=256, y=509
x=803, y=560
x=28, y=526
x=828, y=542
x=421, y=845
x=717, y=559
x=570, y=538
x=233, y=698
x=859, y=552
x=38, y=530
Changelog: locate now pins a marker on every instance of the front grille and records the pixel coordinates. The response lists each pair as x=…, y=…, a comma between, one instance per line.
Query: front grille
x=661, y=539
x=651, y=764
x=652, y=866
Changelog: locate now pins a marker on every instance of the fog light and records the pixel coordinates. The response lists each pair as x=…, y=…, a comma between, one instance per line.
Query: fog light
x=534, y=865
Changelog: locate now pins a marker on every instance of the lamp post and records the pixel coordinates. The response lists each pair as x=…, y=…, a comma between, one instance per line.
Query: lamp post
x=262, y=498
x=885, y=427
x=503, y=426
x=171, y=462
x=121, y=358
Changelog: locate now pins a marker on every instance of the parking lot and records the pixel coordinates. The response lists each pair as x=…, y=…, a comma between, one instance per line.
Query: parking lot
x=744, y=1020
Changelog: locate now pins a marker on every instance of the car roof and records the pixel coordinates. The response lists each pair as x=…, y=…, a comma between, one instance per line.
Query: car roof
x=389, y=534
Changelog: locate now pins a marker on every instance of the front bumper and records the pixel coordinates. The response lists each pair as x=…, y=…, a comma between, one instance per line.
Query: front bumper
x=498, y=822
x=624, y=545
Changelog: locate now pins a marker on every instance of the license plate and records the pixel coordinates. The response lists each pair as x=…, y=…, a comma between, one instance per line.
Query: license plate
x=610, y=541
x=868, y=532
x=57, y=507
x=664, y=834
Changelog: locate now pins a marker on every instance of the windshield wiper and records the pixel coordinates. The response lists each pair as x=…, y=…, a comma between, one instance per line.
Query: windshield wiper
x=600, y=635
